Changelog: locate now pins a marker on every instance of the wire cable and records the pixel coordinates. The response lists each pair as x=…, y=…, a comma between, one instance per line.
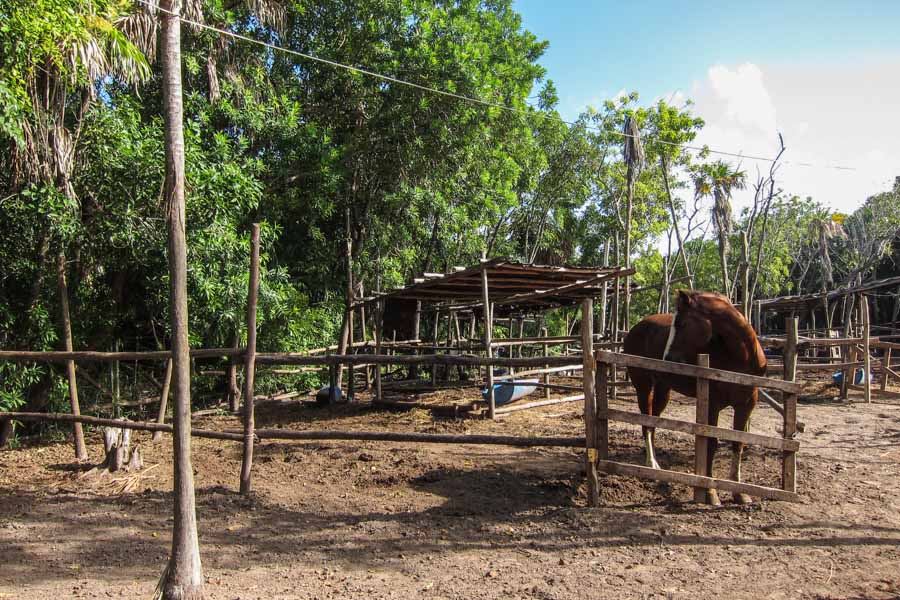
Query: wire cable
x=471, y=99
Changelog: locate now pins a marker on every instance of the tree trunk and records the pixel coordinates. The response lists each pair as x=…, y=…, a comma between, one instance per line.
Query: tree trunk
x=626, y=316
x=183, y=577
x=346, y=340
x=65, y=323
x=603, y=292
x=723, y=260
x=349, y=347
x=745, y=276
x=684, y=259
x=250, y=362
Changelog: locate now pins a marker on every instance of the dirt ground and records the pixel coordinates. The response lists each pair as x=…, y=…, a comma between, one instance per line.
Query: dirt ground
x=379, y=520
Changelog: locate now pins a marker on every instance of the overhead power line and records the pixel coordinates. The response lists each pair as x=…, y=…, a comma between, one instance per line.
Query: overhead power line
x=470, y=99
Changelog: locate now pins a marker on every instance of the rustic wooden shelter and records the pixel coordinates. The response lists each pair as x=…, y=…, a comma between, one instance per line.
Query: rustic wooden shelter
x=810, y=302
x=505, y=283
x=493, y=286
x=849, y=343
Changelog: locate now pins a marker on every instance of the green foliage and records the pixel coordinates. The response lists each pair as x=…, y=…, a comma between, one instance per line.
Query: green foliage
x=430, y=181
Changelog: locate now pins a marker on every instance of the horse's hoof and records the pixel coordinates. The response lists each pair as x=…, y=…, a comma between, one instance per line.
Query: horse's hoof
x=712, y=498
x=743, y=499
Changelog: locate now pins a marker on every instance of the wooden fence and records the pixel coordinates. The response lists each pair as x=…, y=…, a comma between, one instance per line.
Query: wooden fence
x=597, y=414
x=597, y=436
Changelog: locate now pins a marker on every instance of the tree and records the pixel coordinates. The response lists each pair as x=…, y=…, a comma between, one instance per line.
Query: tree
x=718, y=180
x=52, y=53
x=183, y=576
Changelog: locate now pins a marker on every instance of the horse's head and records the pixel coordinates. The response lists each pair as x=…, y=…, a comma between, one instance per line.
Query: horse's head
x=692, y=330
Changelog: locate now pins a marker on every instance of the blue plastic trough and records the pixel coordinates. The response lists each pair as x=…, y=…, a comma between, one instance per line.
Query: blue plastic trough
x=507, y=392
x=323, y=395
x=857, y=377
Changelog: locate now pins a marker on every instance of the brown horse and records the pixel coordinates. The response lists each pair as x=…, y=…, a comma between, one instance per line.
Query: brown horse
x=703, y=323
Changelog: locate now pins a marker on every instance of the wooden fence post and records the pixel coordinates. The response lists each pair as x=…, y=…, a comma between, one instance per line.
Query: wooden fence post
x=848, y=353
x=379, y=319
x=603, y=291
x=885, y=369
x=867, y=348
x=590, y=402
x=250, y=362
x=351, y=372
x=488, y=330
x=435, y=328
x=66, y=324
x=790, y=348
x=789, y=458
x=234, y=392
x=546, y=349
x=758, y=312
x=163, y=400
x=601, y=389
x=701, y=443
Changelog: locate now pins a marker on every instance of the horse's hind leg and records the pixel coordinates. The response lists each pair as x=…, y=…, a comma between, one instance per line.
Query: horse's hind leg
x=741, y=423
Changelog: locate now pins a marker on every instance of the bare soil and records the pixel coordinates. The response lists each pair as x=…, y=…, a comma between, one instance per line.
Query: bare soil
x=378, y=520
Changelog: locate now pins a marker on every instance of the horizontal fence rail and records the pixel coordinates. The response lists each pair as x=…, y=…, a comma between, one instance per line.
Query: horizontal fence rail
x=722, y=433
x=287, y=434
x=93, y=356
x=696, y=481
x=286, y=358
x=664, y=366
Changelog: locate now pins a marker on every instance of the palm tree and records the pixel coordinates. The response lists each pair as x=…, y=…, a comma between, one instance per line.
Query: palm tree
x=81, y=47
x=821, y=230
x=719, y=180
x=182, y=578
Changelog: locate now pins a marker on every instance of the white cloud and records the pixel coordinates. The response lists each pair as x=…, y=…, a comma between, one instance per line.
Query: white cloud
x=830, y=115
x=742, y=97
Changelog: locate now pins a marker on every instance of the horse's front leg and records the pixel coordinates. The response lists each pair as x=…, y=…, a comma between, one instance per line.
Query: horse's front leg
x=649, y=455
x=655, y=403
x=712, y=495
x=741, y=423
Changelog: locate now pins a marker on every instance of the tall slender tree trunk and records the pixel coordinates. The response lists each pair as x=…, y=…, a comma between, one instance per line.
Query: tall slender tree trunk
x=687, y=267
x=345, y=344
x=183, y=577
x=629, y=204
x=745, y=276
x=723, y=261
x=65, y=323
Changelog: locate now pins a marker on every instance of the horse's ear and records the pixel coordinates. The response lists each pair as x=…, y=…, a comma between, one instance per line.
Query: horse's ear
x=685, y=299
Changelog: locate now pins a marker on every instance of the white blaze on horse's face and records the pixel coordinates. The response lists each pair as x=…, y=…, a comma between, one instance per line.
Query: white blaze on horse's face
x=671, y=336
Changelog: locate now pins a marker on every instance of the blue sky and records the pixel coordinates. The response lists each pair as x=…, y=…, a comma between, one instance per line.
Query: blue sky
x=825, y=74
x=658, y=47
